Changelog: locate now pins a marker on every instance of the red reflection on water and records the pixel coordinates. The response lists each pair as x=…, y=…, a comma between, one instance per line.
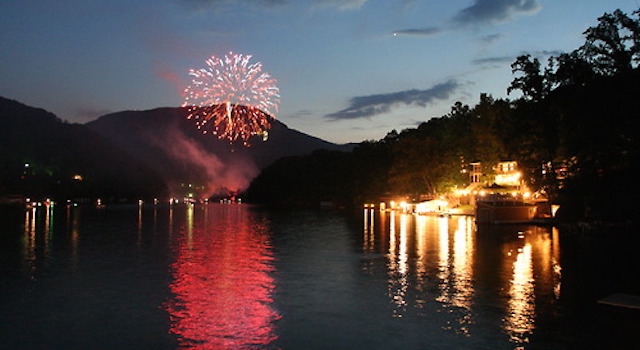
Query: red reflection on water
x=222, y=283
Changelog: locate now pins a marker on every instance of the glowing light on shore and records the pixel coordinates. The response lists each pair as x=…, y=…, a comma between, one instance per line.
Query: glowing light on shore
x=231, y=98
x=433, y=206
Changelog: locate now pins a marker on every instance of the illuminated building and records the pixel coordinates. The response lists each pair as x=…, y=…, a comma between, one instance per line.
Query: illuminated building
x=507, y=174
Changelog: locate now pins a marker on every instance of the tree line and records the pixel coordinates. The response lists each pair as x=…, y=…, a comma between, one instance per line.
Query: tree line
x=573, y=130
x=43, y=157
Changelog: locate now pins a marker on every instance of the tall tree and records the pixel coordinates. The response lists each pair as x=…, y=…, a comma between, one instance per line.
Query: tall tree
x=422, y=165
x=490, y=128
x=531, y=80
x=613, y=45
x=570, y=69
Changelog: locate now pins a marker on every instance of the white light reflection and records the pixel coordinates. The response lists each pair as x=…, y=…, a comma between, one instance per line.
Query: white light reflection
x=443, y=260
x=369, y=231
x=369, y=237
x=398, y=264
x=421, y=263
x=37, y=238
x=392, y=244
x=403, y=267
x=155, y=217
x=463, y=288
x=190, y=225
x=421, y=249
x=73, y=214
x=435, y=265
x=394, y=292
x=170, y=220
x=139, y=237
x=49, y=229
x=462, y=265
x=30, y=242
x=519, y=322
x=456, y=272
x=382, y=229
x=555, y=261
x=372, y=238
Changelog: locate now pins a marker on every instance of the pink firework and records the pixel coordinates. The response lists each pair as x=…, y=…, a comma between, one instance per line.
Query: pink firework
x=231, y=98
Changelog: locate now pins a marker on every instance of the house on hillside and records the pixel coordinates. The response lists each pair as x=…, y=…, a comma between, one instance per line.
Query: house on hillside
x=507, y=174
x=503, y=197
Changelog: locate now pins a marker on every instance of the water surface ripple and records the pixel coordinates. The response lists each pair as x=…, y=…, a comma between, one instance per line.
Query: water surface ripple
x=233, y=276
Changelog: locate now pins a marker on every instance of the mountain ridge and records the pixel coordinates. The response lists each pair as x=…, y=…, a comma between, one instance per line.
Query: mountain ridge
x=40, y=155
x=171, y=144
x=155, y=152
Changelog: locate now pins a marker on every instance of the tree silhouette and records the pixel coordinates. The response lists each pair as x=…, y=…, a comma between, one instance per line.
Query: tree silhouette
x=613, y=46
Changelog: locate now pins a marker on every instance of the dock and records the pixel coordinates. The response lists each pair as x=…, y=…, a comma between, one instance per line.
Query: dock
x=622, y=300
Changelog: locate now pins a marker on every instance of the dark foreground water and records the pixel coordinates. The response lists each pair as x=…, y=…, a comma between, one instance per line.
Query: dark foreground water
x=236, y=277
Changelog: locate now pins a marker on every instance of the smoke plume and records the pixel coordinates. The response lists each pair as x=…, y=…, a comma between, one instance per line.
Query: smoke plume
x=208, y=173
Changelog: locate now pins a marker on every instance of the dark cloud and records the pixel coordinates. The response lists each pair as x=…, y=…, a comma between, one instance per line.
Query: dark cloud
x=547, y=53
x=542, y=54
x=300, y=114
x=342, y=4
x=495, y=11
x=510, y=59
x=368, y=106
x=481, y=12
x=418, y=31
x=494, y=60
x=490, y=39
x=339, y=4
x=202, y=4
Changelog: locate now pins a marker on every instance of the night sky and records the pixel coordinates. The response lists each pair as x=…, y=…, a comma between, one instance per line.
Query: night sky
x=348, y=70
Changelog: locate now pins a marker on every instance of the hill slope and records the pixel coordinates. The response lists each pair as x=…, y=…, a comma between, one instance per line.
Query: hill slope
x=41, y=156
x=169, y=143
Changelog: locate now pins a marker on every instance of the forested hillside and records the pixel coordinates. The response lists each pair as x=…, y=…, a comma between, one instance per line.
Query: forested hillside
x=573, y=128
x=42, y=156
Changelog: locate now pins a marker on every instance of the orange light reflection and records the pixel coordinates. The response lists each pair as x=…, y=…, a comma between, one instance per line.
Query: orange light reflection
x=519, y=322
x=448, y=260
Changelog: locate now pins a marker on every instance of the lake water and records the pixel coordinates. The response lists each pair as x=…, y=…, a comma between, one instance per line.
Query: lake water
x=232, y=276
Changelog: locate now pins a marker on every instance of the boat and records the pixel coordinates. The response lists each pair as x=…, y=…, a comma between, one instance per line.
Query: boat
x=628, y=301
x=498, y=210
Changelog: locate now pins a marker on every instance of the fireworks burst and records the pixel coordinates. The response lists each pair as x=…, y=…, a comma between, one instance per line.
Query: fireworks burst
x=231, y=98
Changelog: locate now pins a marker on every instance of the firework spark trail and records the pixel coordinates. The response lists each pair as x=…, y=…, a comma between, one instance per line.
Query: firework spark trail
x=236, y=97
